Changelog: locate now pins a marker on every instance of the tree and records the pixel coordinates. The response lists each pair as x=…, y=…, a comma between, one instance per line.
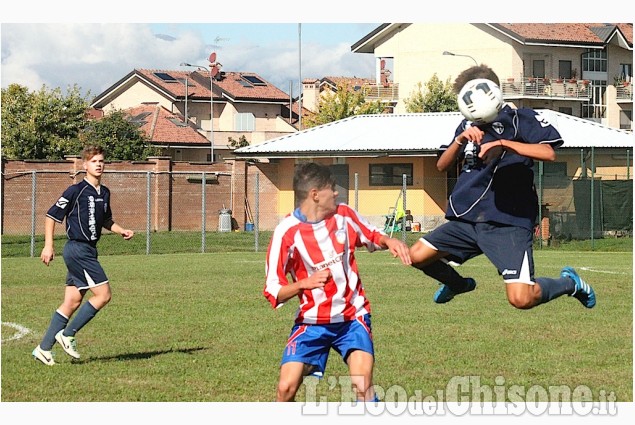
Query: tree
x=121, y=138
x=341, y=104
x=240, y=143
x=438, y=97
x=43, y=124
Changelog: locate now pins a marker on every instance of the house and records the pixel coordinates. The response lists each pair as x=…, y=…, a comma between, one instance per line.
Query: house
x=581, y=69
x=313, y=89
x=244, y=106
x=371, y=154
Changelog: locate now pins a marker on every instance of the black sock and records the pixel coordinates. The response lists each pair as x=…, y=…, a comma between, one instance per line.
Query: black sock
x=446, y=274
x=553, y=288
x=58, y=322
x=84, y=315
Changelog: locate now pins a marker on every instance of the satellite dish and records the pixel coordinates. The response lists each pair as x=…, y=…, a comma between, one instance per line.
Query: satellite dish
x=214, y=71
x=212, y=57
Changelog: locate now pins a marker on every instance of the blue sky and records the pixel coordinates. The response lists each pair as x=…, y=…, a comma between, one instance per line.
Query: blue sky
x=96, y=55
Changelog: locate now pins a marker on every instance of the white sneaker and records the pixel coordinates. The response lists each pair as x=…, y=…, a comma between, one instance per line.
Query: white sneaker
x=68, y=343
x=45, y=357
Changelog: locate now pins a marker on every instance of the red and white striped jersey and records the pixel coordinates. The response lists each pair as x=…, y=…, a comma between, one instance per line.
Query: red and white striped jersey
x=300, y=249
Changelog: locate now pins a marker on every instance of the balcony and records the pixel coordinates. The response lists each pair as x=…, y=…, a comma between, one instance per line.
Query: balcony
x=546, y=88
x=389, y=93
x=624, y=92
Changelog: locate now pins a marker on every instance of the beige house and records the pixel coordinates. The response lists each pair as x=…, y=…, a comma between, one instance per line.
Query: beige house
x=244, y=106
x=584, y=70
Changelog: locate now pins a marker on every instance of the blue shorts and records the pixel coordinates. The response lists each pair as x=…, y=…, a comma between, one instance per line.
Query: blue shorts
x=310, y=344
x=84, y=271
x=509, y=248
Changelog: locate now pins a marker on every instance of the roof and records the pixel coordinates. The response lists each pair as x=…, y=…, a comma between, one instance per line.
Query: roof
x=588, y=34
x=403, y=135
x=163, y=127
x=574, y=34
x=234, y=86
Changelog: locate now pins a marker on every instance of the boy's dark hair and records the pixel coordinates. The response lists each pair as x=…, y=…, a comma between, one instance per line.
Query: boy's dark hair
x=472, y=73
x=91, y=150
x=310, y=175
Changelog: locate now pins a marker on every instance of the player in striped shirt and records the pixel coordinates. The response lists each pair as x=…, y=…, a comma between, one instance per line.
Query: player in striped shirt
x=86, y=208
x=315, y=246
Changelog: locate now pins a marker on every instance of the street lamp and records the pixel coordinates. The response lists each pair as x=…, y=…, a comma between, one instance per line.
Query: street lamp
x=213, y=69
x=446, y=53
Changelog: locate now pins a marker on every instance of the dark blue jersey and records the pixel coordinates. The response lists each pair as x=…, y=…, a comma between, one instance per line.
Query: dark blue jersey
x=86, y=211
x=502, y=191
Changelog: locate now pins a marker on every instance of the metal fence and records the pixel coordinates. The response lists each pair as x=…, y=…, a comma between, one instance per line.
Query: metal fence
x=185, y=210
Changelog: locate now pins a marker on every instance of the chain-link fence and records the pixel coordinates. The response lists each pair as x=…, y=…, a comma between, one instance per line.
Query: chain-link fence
x=201, y=212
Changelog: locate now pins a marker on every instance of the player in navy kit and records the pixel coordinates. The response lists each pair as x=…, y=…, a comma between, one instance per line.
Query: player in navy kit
x=493, y=206
x=86, y=208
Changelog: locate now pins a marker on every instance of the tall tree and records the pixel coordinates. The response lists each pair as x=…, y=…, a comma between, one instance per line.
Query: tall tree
x=437, y=97
x=43, y=124
x=341, y=104
x=121, y=138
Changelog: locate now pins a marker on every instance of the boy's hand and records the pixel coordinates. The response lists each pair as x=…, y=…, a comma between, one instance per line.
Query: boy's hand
x=48, y=254
x=399, y=249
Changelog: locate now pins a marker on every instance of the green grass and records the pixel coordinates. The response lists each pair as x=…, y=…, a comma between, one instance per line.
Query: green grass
x=195, y=327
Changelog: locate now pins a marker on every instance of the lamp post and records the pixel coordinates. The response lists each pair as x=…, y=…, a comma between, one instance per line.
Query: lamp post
x=446, y=53
x=214, y=67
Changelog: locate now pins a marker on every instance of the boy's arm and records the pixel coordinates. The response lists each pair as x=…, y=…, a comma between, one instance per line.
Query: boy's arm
x=48, y=252
x=126, y=233
x=316, y=280
x=397, y=248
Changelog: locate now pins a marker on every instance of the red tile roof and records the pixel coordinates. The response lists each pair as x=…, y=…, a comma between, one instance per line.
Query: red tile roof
x=233, y=85
x=164, y=127
x=567, y=32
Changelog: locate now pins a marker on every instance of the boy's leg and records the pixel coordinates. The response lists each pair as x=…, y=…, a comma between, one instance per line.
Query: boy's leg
x=291, y=375
x=360, y=366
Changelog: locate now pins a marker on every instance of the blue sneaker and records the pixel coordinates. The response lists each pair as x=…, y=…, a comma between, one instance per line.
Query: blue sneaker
x=583, y=291
x=445, y=294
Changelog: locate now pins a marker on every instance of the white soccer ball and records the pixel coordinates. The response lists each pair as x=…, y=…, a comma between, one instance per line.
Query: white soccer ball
x=480, y=100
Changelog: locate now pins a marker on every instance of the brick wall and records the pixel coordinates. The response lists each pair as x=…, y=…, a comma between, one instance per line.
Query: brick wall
x=175, y=191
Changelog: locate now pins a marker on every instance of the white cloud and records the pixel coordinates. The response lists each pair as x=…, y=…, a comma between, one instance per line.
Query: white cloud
x=96, y=56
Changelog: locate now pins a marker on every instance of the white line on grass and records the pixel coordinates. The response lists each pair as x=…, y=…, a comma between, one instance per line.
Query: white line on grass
x=21, y=331
x=591, y=269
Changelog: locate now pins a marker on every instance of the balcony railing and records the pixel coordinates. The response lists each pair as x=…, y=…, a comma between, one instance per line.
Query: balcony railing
x=546, y=88
x=388, y=93
x=624, y=92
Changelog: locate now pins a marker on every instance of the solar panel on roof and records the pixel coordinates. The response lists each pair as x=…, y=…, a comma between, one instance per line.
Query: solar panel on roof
x=165, y=76
x=254, y=80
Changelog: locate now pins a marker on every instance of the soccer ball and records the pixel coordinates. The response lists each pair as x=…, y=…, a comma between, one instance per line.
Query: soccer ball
x=480, y=100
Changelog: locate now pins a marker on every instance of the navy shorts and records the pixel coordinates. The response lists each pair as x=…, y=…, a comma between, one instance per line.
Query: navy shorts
x=84, y=270
x=310, y=344
x=509, y=248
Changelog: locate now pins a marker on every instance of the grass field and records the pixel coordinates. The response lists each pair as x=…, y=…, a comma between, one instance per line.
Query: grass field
x=195, y=327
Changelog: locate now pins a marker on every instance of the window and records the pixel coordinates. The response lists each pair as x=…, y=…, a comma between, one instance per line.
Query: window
x=165, y=77
x=539, y=69
x=594, y=61
x=596, y=108
x=389, y=174
x=564, y=69
x=245, y=121
x=626, y=71
x=626, y=119
x=254, y=80
x=565, y=110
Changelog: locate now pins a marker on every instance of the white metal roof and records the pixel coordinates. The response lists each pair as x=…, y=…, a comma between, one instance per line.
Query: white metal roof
x=414, y=135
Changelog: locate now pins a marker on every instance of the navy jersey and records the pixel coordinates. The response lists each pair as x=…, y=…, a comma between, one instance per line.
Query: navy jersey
x=502, y=191
x=86, y=211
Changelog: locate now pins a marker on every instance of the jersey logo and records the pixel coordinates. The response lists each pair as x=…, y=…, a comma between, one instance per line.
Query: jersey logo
x=61, y=203
x=542, y=120
x=498, y=127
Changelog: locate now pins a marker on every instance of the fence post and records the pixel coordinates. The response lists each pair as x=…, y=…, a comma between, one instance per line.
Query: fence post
x=203, y=183
x=148, y=209
x=356, y=191
x=33, y=193
x=541, y=172
x=257, y=215
x=592, y=203
x=404, y=185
